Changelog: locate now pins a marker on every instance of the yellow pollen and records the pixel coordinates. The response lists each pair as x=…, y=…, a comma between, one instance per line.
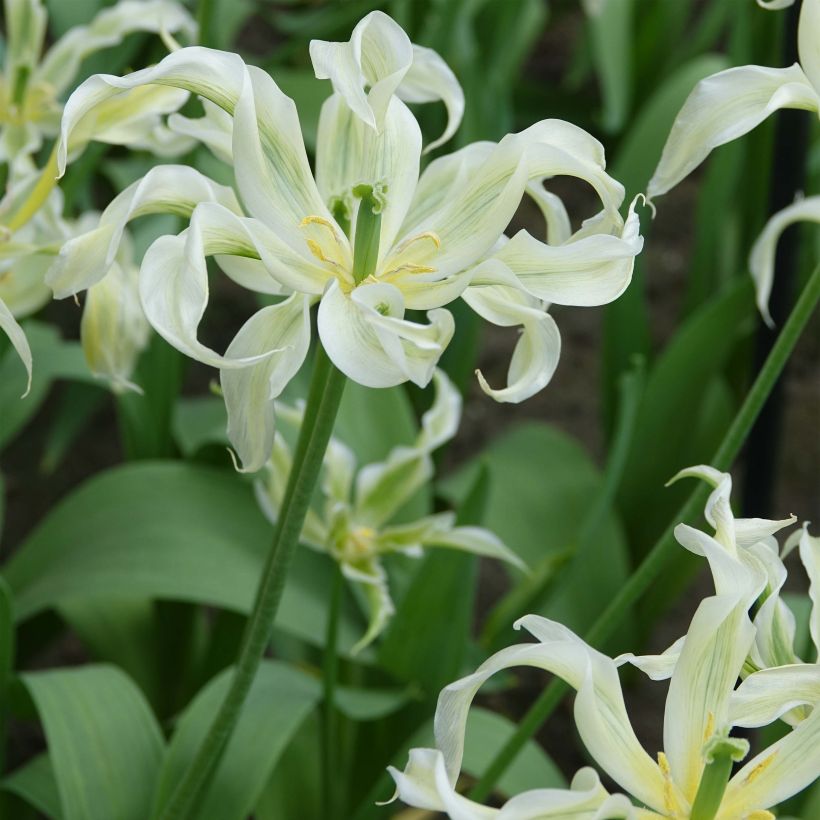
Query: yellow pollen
x=710, y=727
x=760, y=814
x=316, y=249
x=318, y=220
x=759, y=769
x=670, y=804
x=410, y=268
x=433, y=237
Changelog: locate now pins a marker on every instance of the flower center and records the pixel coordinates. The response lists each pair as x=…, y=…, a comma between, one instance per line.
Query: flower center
x=720, y=753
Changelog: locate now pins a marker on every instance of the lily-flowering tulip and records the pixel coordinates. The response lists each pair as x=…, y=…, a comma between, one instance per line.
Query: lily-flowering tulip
x=749, y=544
x=695, y=775
x=368, y=237
x=32, y=83
x=352, y=521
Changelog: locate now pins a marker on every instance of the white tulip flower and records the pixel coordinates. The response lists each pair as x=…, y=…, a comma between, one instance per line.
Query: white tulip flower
x=352, y=522
x=369, y=237
x=32, y=83
x=692, y=777
x=731, y=103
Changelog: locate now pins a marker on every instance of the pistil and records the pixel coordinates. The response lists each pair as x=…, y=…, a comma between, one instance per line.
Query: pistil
x=721, y=753
x=368, y=230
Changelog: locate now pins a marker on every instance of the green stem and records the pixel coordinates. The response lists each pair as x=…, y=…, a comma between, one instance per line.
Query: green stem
x=329, y=677
x=323, y=401
x=650, y=568
x=204, y=15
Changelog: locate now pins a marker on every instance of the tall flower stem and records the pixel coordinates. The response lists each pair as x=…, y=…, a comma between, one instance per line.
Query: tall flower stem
x=323, y=400
x=656, y=559
x=329, y=721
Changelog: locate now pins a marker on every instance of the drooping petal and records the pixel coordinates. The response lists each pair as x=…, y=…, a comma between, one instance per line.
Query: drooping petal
x=778, y=772
x=810, y=556
x=476, y=540
x=538, y=349
x=559, y=228
x=594, y=270
x=768, y=694
x=175, y=189
x=9, y=326
x=339, y=470
x=214, y=129
x=62, y=62
x=174, y=275
x=382, y=488
x=113, y=329
x=722, y=108
x=761, y=259
x=368, y=338
x=369, y=574
x=600, y=714
x=430, y=79
x=716, y=645
x=808, y=43
x=425, y=785
x=378, y=54
x=349, y=152
x=280, y=333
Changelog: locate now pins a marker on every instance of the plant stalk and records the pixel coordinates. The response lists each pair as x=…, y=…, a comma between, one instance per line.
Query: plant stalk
x=330, y=672
x=654, y=562
x=323, y=401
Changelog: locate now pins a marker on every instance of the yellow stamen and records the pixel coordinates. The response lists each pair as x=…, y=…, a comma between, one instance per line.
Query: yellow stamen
x=316, y=249
x=760, y=814
x=759, y=769
x=409, y=267
x=433, y=237
x=670, y=804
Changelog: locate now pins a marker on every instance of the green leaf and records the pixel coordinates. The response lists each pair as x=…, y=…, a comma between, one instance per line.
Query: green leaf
x=173, y=531
x=35, y=783
x=671, y=405
x=542, y=485
x=53, y=359
x=104, y=743
x=612, y=51
x=369, y=704
x=279, y=700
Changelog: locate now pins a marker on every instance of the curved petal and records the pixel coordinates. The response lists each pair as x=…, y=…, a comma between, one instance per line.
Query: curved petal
x=62, y=61
x=761, y=259
x=600, y=714
x=113, y=329
x=25, y=24
x=214, y=130
x=722, y=108
x=430, y=79
x=368, y=338
x=378, y=55
x=9, y=326
x=810, y=556
x=713, y=653
x=594, y=270
x=768, y=694
x=369, y=574
x=538, y=349
x=176, y=189
x=808, y=43
x=780, y=771
x=348, y=153
x=655, y=667
x=280, y=333
x=476, y=540
x=559, y=228
x=174, y=276
x=425, y=785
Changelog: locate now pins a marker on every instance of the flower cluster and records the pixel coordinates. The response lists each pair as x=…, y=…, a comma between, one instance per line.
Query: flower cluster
x=693, y=776
x=352, y=523
x=369, y=236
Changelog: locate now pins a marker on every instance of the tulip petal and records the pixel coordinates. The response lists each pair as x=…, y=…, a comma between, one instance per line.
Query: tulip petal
x=348, y=153
x=430, y=79
x=113, y=329
x=214, y=130
x=476, y=540
x=62, y=62
x=600, y=714
x=538, y=349
x=9, y=326
x=378, y=55
x=594, y=270
x=722, y=108
x=280, y=333
x=367, y=337
x=780, y=771
x=655, y=667
x=768, y=694
x=810, y=556
x=761, y=259
x=178, y=189
x=808, y=44
x=371, y=578
x=716, y=645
